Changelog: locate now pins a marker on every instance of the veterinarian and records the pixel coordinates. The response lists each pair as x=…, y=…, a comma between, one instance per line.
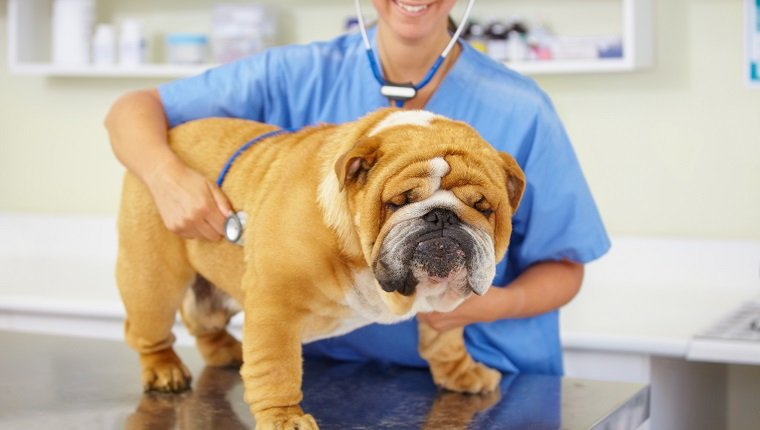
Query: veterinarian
x=514, y=327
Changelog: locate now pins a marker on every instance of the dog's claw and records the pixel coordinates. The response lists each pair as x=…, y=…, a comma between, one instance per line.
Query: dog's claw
x=163, y=371
x=166, y=380
x=291, y=418
x=474, y=379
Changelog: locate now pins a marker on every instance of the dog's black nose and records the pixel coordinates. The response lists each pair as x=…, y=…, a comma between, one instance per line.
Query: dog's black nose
x=441, y=218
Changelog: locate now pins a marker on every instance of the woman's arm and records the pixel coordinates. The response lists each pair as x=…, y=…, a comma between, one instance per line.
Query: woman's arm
x=543, y=287
x=189, y=204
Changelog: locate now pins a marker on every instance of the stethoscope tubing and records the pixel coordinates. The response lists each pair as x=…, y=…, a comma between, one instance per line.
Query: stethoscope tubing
x=429, y=76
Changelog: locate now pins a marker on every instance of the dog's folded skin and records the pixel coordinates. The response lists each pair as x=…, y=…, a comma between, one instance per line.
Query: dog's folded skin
x=371, y=221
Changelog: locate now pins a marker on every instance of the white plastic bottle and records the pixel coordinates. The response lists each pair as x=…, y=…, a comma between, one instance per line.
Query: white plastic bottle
x=239, y=30
x=133, y=46
x=104, y=45
x=517, y=48
x=72, y=22
x=496, y=46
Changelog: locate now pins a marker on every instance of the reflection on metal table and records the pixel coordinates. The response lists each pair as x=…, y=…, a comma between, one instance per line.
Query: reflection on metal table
x=50, y=382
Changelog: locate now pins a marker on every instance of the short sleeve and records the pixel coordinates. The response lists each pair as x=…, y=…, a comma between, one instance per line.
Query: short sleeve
x=238, y=89
x=288, y=86
x=557, y=218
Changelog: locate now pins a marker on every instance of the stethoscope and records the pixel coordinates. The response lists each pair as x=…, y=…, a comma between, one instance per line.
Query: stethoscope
x=401, y=92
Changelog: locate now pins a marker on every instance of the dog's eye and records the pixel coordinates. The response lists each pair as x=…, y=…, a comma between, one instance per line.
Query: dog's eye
x=398, y=201
x=484, y=207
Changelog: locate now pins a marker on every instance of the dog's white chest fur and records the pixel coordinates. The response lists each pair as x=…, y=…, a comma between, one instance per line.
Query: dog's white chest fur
x=364, y=299
x=367, y=307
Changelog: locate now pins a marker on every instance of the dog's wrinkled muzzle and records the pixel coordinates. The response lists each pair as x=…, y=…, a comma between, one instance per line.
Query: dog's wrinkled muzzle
x=433, y=260
x=439, y=257
x=436, y=250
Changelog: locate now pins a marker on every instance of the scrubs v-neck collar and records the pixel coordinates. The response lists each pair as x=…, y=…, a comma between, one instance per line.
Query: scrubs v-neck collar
x=440, y=101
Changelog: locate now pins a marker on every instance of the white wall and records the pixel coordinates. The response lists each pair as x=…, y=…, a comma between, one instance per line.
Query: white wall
x=674, y=150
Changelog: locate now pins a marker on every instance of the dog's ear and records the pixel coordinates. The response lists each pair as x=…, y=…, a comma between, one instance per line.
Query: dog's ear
x=515, y=180
x=360, y=157
x=354, y=165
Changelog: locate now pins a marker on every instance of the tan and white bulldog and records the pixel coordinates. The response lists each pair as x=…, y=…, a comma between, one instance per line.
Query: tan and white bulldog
x=370, y=221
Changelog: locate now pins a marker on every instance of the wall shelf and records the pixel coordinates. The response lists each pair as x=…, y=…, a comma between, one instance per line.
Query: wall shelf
x=174, y=71
x=29, y=40
x=612, y=65
x=143, y=71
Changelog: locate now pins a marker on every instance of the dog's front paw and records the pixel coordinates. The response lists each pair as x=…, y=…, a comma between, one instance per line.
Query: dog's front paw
x=289, y=418
x=472, y=378
x=163, y=371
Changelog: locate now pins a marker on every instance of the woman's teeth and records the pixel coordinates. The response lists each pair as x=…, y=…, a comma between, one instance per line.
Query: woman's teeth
x=412, y=8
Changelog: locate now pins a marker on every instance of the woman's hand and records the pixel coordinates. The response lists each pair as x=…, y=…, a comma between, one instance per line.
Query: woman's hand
x=473, y=310
x=541, y=288
x=190, y=205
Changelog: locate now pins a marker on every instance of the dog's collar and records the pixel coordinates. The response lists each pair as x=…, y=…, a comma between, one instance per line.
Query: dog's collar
x=226, y=168
x=234, y=224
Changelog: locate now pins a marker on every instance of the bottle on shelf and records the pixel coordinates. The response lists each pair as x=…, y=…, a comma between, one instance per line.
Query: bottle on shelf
x=517, y=47
x=104, y=45
x=475, y=35
x=497, y=46
x=186, y=48
x=72, y=22
x=539, y=40
x=133, y=45
x=239, y=30
x=351, y=24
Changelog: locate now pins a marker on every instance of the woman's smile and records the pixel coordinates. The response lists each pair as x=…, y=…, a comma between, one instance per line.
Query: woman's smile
x=415, y=20
x=411, y=9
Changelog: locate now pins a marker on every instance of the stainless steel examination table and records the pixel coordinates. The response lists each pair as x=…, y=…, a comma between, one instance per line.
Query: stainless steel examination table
x=50, y=382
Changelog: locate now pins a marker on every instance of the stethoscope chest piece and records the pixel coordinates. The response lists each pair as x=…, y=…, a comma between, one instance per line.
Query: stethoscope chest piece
x=395, y=91
x=233, y=227
x=401, y=92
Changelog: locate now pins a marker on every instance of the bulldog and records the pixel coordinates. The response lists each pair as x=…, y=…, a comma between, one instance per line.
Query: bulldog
x=367, y=222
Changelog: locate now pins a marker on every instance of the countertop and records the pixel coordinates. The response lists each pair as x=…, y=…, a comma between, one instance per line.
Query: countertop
x=654, y=296
x=56, y=382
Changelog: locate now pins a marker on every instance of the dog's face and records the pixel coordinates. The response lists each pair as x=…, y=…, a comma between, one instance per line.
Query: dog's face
x=432, y=204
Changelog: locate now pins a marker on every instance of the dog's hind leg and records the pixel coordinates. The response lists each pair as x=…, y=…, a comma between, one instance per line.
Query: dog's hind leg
x=152, y=273
x=206, y=311
x=151, y=299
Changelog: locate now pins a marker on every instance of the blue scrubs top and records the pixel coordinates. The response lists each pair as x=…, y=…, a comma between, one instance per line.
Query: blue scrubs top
x=299, y=85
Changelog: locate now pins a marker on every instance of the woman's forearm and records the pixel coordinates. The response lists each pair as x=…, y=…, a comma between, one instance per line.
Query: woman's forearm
x=137, y=128
x=190, y=204
x=541, y=288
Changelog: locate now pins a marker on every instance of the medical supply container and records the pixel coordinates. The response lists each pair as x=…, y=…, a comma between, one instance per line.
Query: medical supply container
x=133, y=46
x=186, y=48
x=72, y=22
x=238, y=31
x=104, y=45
